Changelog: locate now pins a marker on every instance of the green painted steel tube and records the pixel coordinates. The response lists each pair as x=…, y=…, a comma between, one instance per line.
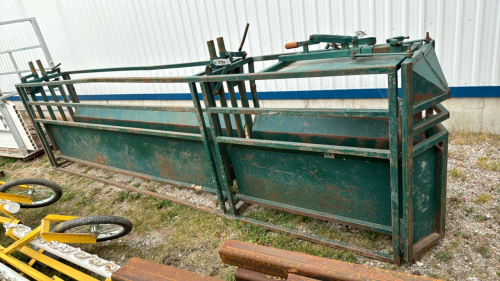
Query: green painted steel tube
x=135, y=68
x=129, y=130
x=219, y=78
x=332, y=149
x=318, y=239
x=118, y=106
x=423, y=106
x=431, y=122
x=324, y=216
x=430, y=142
x=373, y=113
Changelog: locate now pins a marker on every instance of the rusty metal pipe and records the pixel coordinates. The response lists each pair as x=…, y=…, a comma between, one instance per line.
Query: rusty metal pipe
x=281, y=263
x=211, y=49
x=221, y=45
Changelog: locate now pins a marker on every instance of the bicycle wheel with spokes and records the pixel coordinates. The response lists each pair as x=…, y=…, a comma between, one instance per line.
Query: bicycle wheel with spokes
x=44, y=192
x=106, y=227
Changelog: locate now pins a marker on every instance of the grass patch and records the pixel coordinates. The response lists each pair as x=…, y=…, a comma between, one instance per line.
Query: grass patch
x=462, y=234
x=486, y=164
x=457, y=173
x=483, y=198
x=483, y=250
x=67, y=196
x=86, y=170
x=443, y=256
x=461, y=137
x=162, y=204
x=480, y=218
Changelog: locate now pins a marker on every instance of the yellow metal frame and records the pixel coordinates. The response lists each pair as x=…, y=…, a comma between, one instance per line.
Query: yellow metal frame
x=44, y=231
x=16, y=198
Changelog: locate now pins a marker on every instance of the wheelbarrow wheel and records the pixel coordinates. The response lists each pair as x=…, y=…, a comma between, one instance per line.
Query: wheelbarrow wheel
x=106, y=227
x=44, y=192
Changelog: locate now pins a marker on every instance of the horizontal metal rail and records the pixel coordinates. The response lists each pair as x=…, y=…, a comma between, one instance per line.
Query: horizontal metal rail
x=319, y=215
x=135, y=68
x=432, y=121
x=215, y=78
x=117, y=106
x=332, y=149
x=136, y=174
x=423, y=106
x=129, y=130
x=430, y=142
x=20, y=49
x=380, y=113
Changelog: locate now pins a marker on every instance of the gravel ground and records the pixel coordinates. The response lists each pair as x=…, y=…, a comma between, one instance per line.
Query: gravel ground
x=470, y=249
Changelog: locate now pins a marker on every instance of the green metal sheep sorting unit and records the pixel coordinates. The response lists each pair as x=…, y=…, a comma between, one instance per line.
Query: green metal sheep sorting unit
x=383, y=170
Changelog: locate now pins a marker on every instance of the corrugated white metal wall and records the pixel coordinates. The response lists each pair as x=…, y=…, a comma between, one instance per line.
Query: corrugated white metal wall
x=96, y=34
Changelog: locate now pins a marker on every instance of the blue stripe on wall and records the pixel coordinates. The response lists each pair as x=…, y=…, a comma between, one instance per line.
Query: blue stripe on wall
x=456, y=92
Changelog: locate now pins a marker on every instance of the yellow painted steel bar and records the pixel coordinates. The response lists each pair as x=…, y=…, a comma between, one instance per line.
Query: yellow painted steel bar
x=61, y=267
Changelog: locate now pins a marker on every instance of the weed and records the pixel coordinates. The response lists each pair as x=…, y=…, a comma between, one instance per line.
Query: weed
x=468, y=210
x=483, y=250
x=122, y=196
x=137, y=184
x=479, y=218
x=483, y=198
x=67, y=196
x=86, y=170
x=86, y=201
x=485, y=164
x=462, y=234
x=133, y=197
x=444, y=256
x=162, y=204
x=5, y=161
x=458, y=173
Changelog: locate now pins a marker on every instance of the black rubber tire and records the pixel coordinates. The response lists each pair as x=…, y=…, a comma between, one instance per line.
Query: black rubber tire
x=29, y=181
x=92, y=220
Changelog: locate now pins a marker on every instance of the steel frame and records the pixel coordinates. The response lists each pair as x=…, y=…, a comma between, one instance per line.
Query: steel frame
x=23, y=152
x=401, y=114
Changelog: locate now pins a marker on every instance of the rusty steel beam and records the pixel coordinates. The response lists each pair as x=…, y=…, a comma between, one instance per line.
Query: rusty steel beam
x=242, y=274
x=138, y=269
x=281, y=263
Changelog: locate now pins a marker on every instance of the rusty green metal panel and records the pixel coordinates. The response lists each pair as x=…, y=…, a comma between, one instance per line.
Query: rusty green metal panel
x=345, y=131
x=351, y=187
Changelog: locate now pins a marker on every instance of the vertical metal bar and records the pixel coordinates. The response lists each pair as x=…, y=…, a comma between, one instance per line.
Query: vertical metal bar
x=207, y=146
x=14, y=63
x=32, y=93
x=222, y=47
x=38, y=128
x=223, y=103
x=211, y=49
x=244, y=103
x=394, y=163
x=71, y=89
x=253, y=87
x=407, y=157
x=220, y=152
x=42, y=91
x=65, y=98
x=440, y=205
x=39, y=35
x=54, y=96
x=234, y=103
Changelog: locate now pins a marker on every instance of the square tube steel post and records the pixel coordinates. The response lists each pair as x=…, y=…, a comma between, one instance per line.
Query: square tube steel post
x=394, y=164
x=206, y=145
x=220, y=151
x=38, y=127
x=407, y=157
